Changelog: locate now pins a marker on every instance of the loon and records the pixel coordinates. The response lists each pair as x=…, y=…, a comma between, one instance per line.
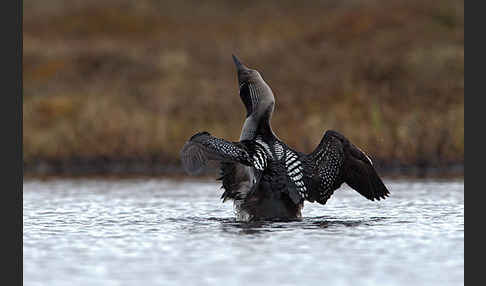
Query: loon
x=265, y=178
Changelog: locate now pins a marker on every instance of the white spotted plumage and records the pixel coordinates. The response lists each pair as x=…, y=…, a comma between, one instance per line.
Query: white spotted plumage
x=278, y=150
x=260, y=158
x=298, y=177
x=265, y=146
x=295, y=171
x=294, y=165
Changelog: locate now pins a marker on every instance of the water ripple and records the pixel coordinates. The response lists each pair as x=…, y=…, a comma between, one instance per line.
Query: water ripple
x=152, y=232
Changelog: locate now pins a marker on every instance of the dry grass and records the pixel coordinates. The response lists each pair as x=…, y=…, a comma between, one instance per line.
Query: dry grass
x=135, y=79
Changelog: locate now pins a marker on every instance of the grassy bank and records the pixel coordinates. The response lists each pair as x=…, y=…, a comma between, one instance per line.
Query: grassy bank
x=130, y=81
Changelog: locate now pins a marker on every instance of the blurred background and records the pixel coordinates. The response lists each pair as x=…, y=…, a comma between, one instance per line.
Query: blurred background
x=117, y=87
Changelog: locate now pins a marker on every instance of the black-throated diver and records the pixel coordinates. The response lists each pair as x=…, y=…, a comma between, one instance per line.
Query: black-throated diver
x=265, y=178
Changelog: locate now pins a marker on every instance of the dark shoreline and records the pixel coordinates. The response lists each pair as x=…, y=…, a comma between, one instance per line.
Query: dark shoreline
x=153, y=168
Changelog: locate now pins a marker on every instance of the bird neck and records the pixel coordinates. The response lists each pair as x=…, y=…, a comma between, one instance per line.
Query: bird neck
x=258, y=124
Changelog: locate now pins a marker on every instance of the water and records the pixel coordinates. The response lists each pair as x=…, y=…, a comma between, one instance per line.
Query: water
x=162, y=232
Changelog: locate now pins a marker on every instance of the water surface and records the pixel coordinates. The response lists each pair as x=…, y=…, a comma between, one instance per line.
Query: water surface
x=165, y=232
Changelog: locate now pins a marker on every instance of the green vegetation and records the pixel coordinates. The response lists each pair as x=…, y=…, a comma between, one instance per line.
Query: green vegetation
x=132, y=80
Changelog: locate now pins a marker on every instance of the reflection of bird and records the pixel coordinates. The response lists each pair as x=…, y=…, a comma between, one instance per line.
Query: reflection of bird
x=267, y=179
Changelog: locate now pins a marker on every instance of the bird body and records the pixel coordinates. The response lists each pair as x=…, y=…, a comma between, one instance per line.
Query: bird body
x=265, y=178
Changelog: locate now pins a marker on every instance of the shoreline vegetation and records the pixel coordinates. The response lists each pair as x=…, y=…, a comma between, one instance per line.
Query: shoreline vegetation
x=152, y=168
x=117, y=87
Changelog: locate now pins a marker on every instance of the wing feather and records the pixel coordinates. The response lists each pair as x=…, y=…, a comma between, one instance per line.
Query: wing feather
x=335, y=161
x=203, y=147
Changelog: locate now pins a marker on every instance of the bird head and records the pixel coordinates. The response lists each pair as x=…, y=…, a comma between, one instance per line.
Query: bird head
x=254, y=91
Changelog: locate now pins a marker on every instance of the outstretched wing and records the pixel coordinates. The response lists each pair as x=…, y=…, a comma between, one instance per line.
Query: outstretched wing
x=203, y=147
x=336, y=161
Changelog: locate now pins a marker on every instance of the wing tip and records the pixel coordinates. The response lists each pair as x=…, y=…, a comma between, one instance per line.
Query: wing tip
x=192, y=158
x=382, y=194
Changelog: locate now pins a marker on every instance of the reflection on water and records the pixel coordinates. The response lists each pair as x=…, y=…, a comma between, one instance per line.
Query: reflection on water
x=233, y=226
x=161, y=232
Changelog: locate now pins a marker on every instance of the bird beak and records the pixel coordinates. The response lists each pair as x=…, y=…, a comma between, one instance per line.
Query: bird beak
x=239, y=65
